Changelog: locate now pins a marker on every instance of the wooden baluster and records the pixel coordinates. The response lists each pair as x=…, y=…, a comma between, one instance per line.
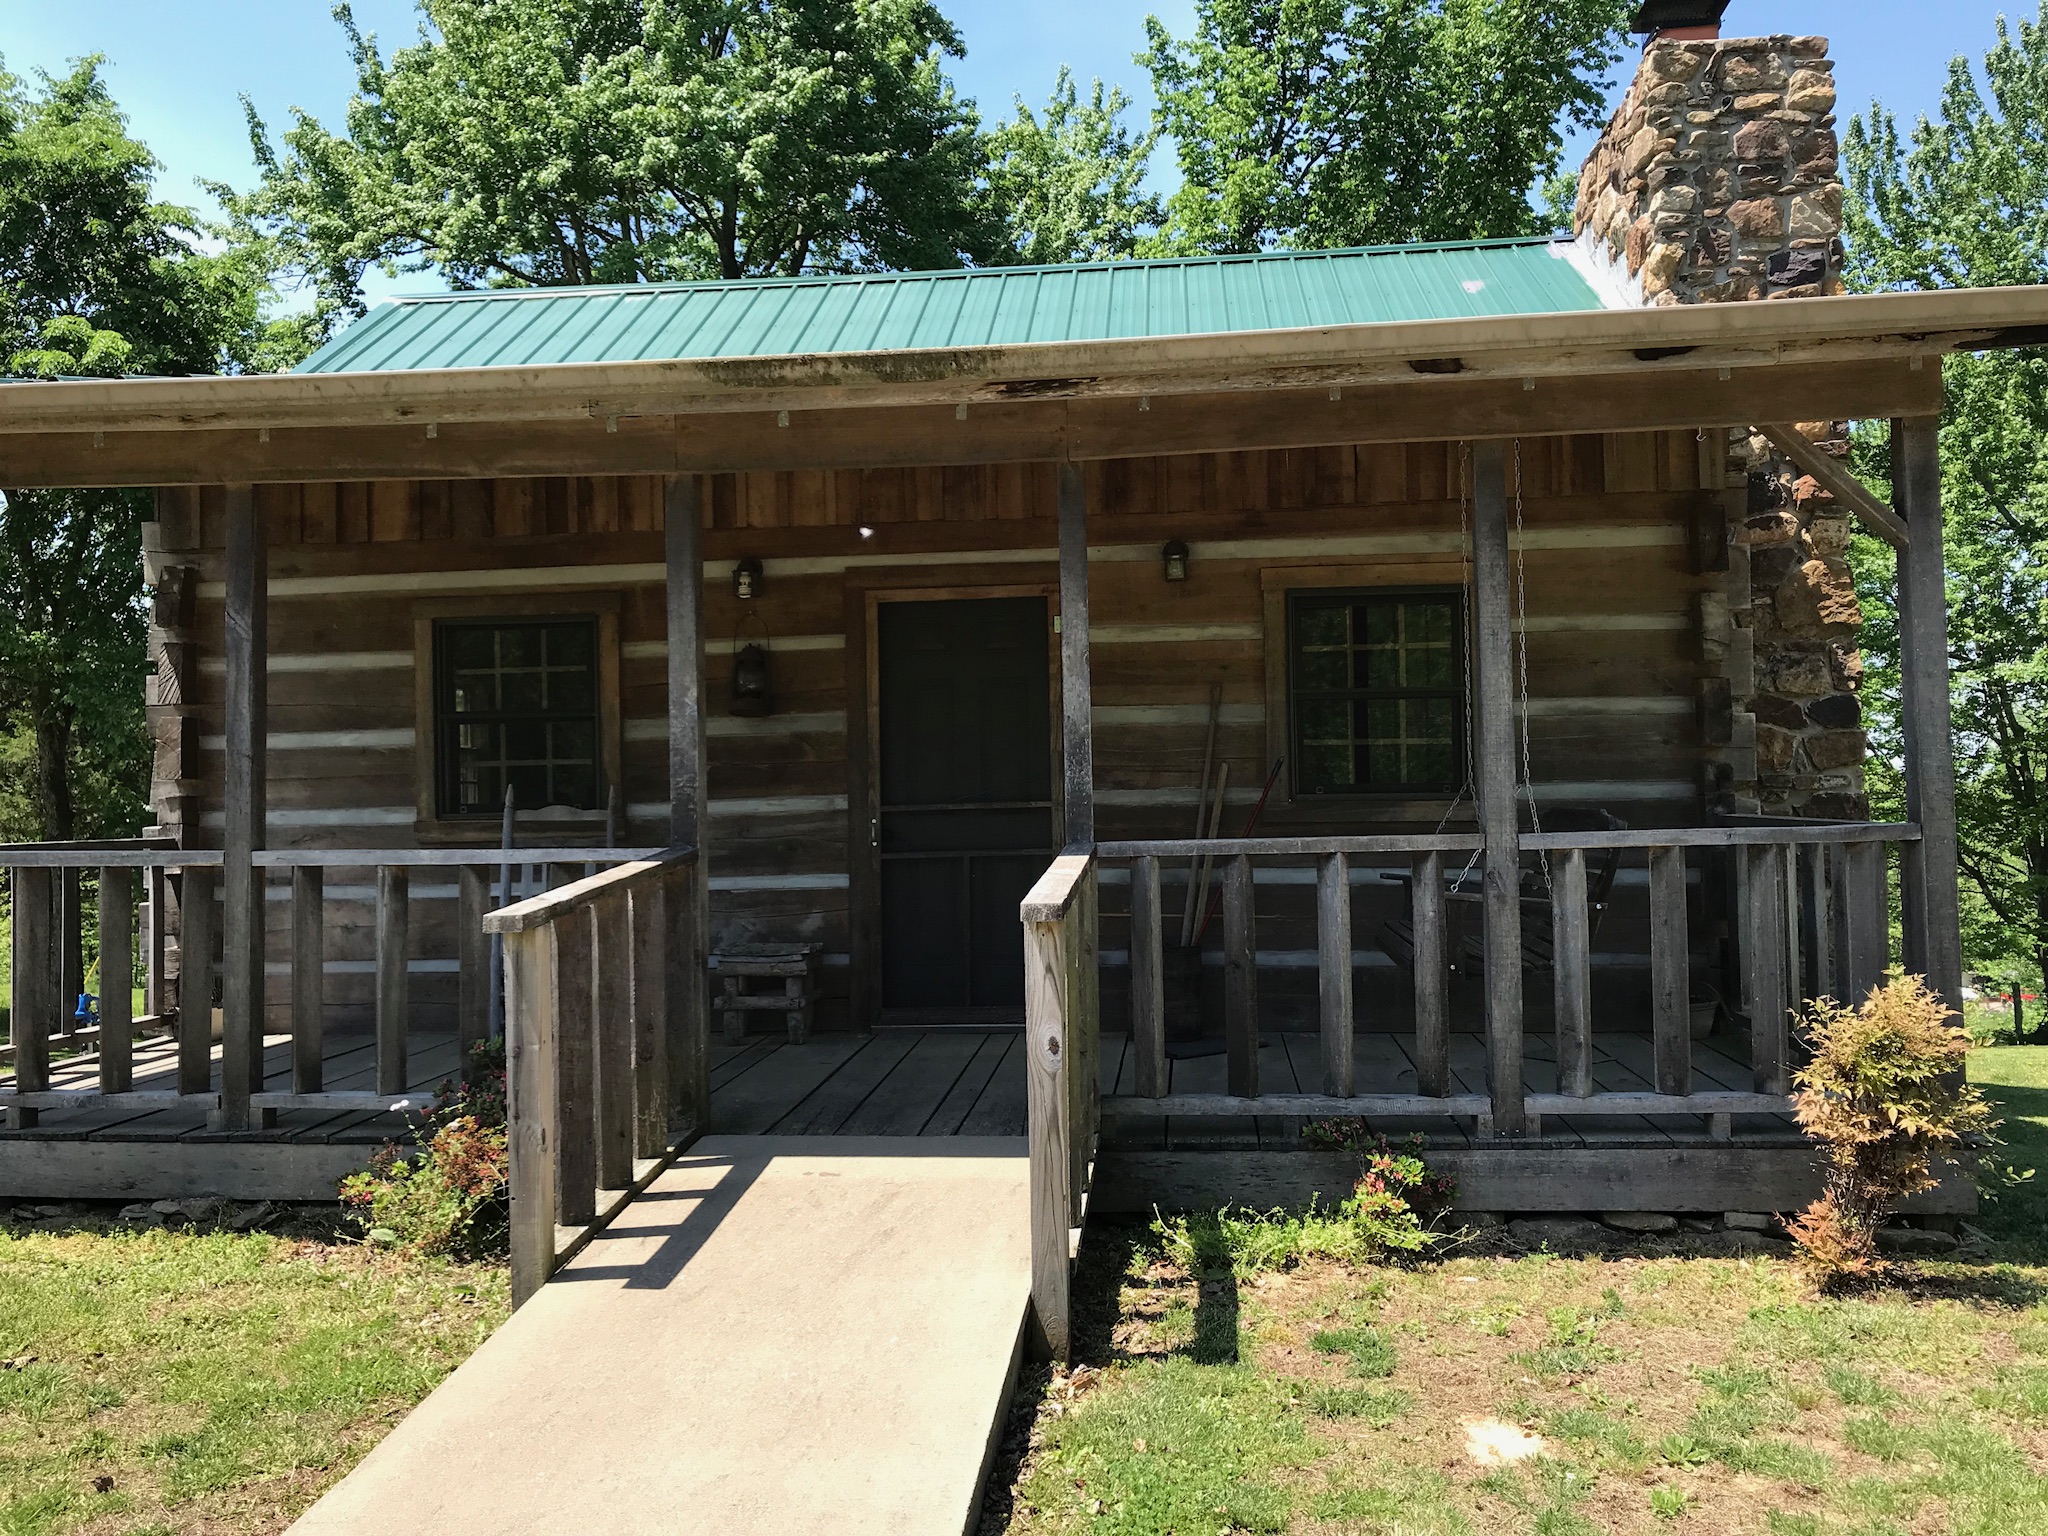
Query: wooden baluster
x=309, y=978
x=394, y=923
x=530, y=1000
x=155, y=912
x=1048, y=1109
x=647, y=907
x=575, y=1071
x=117, y=968
x=1865, y=917
x=1240, y=977
x=1432, y=979
x=1079, y=1146
x=1670, y=1002
x=1148, y=994
x=685, y=999
x=1091, y=999
x=35, y=983
x=612, y=1005
x=70, y=893
x=472, y=964
x=1763, y=957
x=1572, y=972
x=198, y=934
x=1333, y=970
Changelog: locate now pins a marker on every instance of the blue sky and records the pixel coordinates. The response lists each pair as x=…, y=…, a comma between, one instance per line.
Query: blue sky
x=179, y=69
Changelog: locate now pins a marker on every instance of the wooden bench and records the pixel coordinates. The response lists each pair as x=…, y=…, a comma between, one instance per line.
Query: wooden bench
x=795, y=965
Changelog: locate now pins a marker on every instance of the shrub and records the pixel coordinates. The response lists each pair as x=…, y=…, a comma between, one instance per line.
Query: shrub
x=1883, y=1094
x=452, y=1197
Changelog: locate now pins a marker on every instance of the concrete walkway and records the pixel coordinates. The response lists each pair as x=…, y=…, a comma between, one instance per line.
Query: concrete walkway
x=784, y=1335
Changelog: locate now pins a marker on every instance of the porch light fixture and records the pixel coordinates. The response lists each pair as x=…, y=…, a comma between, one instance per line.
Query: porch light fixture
x=1174, y=557
x=746, y=579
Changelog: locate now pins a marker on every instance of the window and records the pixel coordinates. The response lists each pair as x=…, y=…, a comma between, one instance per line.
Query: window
x=516, y=702
x=1376, y=681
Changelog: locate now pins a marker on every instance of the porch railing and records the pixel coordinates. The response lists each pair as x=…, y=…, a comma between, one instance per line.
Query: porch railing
x=599, y=1036
x=1063, y=1101
x=1811, y=907
x=43, y=881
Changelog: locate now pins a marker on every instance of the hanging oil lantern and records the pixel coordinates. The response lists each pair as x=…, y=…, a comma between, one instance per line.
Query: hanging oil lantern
x=753, y=692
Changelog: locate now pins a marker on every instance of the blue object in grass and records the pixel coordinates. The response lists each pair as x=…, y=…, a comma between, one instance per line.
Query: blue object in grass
x=87, y=1013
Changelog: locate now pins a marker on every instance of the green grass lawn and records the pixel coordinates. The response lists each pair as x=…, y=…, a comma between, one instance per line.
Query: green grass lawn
x=1663, y=1392
x=160, y=1382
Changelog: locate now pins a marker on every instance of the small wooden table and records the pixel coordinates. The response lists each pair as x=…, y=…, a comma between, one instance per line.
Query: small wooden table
x=795, y=965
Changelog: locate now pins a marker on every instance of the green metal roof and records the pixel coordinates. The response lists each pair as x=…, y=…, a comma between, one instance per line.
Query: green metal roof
x=977, y=307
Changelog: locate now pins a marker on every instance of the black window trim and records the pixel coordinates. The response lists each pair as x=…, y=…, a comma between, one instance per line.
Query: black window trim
x=446, y=762
x=1461, y=692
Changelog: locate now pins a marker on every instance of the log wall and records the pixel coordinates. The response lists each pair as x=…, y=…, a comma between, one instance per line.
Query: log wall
x=1623, y=550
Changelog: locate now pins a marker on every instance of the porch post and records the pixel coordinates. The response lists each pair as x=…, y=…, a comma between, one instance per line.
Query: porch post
x=1493, y=748
x=1077, y=727
x=243, y=798
x=1928, y=873
x=686, y=906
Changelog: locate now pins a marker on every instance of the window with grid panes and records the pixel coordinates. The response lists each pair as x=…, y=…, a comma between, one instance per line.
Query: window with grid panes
x=516, y=703
x=1377, y=689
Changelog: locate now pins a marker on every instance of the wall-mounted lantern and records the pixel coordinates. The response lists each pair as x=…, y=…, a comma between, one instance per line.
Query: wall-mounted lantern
x=753, y=693
x=1174, y=557
x=746, y=579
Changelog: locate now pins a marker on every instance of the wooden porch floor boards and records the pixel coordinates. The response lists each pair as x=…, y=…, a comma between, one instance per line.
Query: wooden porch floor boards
x=951, y=1082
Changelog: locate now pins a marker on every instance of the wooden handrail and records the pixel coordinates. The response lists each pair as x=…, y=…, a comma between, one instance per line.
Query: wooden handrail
x=366, y=858
x=1053, y=895
x=1727, y=836
x=537, y=911
x=123, y=855
x=1291, y=847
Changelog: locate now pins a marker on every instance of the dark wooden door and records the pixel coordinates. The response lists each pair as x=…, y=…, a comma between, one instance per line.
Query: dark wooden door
x=966, y=802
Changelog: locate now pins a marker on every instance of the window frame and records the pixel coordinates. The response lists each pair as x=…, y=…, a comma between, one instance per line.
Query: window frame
x=449, y=722
x=433, y=824
x=1293, y=601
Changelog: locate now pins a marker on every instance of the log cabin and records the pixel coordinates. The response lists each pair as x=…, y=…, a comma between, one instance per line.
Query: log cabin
x=1154, y=706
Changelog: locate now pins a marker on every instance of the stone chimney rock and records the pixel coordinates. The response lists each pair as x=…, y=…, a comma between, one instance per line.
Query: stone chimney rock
x=1718, y=180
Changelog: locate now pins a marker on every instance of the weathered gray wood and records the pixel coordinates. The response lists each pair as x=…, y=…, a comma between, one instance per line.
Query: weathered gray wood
x=1432, y=977
x=309, y=978
x=1929, y=877
x=243, y=806
x=1366, y=1106
x=612, y=1018
x=1816, y=915
x=530, y=1086
x=34, y=1003
x=1333, y=970
x=1077, y=715
x=117, y=967
x=687, y=896
x=1082, y=1091
x=198, y=938
x=1055, y=892
x=38, y=1169
x=1763, y=960
x=472, y=963
x=1670, y=1006
x=1048, y=1102
x=1572, y=972
x=646, y=907
x=1290, y=847
x=1202, y=792
x=575, y=1045
x=155, y=931
x=394, y=925
x=568, y=890
x=1834, y=477
x=437, y=858
x=1494, y=771
x=1736, y=833
x=1148, y=994
x=413, y=1100
x=1240, y=978
x=70, y=946
x=126, y=853
x=1863, y=916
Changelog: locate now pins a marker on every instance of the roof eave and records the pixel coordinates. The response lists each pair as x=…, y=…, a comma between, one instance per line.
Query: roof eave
x=1536, y=346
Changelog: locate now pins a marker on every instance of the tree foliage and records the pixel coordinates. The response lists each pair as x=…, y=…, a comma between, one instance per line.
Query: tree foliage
x=1069, y=182
x=1320, y=123
x=1963, y=202
x=96, y=278
x=542, y=142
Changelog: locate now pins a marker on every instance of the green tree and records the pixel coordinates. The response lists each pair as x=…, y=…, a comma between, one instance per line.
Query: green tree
x=1317, y=123
x=540, y=142
x=96, y=278
x=1963, y=202
x=1069, y=182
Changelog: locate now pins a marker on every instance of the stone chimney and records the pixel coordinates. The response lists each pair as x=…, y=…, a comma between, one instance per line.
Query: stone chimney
x=1682, y=21
x=1718, y=179
x=1718, y=182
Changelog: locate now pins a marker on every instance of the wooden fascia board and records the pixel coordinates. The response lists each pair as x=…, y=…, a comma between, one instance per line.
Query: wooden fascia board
x=1644, y=343
x=1449, y=408
x=1834, y=477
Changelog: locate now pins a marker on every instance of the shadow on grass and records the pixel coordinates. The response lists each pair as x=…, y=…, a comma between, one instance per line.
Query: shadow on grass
x=2016, y=1217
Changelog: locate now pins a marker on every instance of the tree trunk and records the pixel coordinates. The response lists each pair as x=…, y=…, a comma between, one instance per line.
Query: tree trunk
x=53, y=773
